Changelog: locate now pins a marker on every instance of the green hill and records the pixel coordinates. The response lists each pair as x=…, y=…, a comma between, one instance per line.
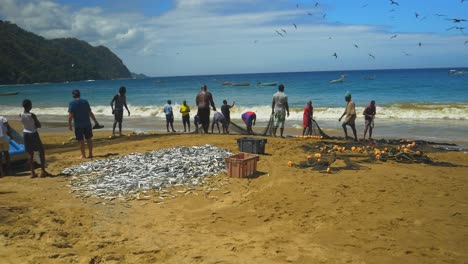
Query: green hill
x=29, y=58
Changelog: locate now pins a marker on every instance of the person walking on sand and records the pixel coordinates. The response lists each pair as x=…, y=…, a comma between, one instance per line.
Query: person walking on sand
x=217, y=118
x=369, y=115
x=350, y=113
x=226, y=110
x=117, y=105
x=279, y=108
x=307, y=119
x=249, y=119
x=169, y=116
x=185, y=111
x=32, y=141
x=5, y=134
x=203, y=101
x=79, y=112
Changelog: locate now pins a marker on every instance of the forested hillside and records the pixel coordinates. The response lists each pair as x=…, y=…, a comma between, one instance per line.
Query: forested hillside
x=29, y=58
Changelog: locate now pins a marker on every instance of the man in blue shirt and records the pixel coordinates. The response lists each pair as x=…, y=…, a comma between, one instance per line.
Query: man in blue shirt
x=169, y=116
x=79, y=111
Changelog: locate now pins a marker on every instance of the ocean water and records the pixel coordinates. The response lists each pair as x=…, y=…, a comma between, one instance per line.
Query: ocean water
x=429, y=103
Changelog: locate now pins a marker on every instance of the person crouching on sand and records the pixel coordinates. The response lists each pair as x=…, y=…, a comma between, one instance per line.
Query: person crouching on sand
x=369, y=115
x=350, y=113
x=79, y=112
x=249, y=119
x=32, y=141
x=117, y=105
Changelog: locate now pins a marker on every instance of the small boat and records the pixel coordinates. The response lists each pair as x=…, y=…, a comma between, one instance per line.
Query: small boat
x=8, y=93
x=340, y=80
x=241, y=84
x=457, y=72
x=266, y=84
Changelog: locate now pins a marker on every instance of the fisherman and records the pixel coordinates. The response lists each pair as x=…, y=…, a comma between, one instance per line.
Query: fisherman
x=5, y=134
x=185, y=111
x=369, y=115
x=203, y=101
x=119, y=101
x=226, y=110
x=217, y=118
x=279, y=108
x=32, y=141
x=249, y=119
x=307, y=119
x=350, y=113
x=79, y=112
x=169, y=116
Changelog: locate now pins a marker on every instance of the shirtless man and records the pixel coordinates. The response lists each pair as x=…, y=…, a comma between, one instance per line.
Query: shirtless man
x=203, y=101
x=350, y=113
x=369, y=114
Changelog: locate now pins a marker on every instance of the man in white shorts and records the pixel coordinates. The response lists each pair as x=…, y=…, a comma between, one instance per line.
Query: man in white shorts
x=279, y=108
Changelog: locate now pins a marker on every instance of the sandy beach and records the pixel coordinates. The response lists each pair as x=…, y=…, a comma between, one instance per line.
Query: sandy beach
x=383, y=212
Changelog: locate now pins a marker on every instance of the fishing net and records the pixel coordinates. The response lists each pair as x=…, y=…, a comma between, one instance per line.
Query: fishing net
x=268, y=130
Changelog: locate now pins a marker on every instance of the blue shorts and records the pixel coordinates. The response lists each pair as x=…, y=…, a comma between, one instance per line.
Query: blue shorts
x=81, y=133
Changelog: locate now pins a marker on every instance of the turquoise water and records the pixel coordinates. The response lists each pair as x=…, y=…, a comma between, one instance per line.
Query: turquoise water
x=420, y=96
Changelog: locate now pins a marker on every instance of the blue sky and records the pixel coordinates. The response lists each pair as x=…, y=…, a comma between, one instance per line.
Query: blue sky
x=191, y=37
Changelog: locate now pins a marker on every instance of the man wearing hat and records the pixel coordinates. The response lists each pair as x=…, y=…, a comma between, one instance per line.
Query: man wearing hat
x=79, y=111
x=350, y=113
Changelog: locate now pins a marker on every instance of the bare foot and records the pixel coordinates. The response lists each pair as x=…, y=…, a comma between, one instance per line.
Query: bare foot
x=44, y=174
x=33, y=175
x=83, y=157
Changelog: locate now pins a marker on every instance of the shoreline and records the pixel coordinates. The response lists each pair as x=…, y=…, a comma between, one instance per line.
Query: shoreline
x=443, y=131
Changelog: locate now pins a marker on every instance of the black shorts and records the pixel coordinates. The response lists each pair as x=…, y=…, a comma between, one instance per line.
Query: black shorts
x=186, y=119
x=169, y=118
x=81, y=133
x=118, y=115
x=32, y=142
x=204, y=115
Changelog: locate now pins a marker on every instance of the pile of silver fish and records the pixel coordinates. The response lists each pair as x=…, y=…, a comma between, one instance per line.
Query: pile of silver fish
x=136, y=173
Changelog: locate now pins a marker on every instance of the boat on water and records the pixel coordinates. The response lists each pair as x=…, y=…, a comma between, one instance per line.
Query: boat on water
x=457, y=72
x=267, y=84
x=340, y=80
x=241, y=84
x=8, y=93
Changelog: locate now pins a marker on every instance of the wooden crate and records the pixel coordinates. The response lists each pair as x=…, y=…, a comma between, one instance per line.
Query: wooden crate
x=241, y=165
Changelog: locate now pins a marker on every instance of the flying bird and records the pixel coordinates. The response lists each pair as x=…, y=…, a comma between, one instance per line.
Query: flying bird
x=336, y=56
x=316, y=4
x=459, y=28
x=357, y=47
x=419, y=44
x=394, y=36
x=456, y=20
x=295, y=26
x=372, y=56
x=416, y=14
x=394, y=3
x=279, y=33
x=284, y=31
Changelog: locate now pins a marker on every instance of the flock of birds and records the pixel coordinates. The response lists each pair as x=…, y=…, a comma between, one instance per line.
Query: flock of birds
x=282, y=32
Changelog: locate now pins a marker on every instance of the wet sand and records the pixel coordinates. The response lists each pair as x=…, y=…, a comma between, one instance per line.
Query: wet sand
x=385, y=212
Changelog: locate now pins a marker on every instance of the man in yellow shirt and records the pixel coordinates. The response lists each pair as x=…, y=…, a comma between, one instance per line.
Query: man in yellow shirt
x=185, y=110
